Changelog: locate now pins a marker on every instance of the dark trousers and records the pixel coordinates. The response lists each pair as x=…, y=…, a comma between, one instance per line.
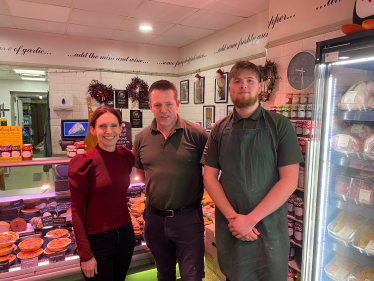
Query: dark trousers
x=113, y=251
x=179, y=238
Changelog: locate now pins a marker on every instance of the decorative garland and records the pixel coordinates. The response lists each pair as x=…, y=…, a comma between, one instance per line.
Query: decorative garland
x=137, y=90
x=101, y=93
x=269, y=73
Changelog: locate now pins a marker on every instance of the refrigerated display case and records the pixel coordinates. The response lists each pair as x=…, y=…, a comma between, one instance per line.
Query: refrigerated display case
x=339, y=207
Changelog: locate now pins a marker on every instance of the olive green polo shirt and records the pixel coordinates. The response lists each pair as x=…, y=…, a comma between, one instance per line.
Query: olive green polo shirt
x=285, y=145
x=172, y=167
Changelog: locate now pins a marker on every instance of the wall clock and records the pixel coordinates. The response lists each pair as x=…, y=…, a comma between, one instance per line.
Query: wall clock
x=300, y=71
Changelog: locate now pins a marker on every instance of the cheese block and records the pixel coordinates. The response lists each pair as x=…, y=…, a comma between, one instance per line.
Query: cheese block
x=4, y=226
x=18, y=225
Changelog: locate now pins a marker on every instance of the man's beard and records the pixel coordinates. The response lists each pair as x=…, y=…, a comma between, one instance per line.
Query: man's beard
x=244, y=102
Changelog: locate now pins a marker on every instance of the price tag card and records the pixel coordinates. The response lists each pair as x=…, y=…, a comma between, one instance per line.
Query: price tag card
x=47, y=221
x=4, y=266
x=59, y=221
x=345, y=232
x=49, y=209
x=341, y=273
x=343, y=140
x=356, y=128
x=27, y=263
x=350, y=97
x=334, y=56
x=56, y=257
x=370, y=246
x=19, y=204
x=136, y=187
x=364, y=196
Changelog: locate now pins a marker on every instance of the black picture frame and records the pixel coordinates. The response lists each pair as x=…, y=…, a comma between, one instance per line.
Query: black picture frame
x=221, y=89
x=208, y=116
x=230, y=108
x=199, y=91
x=184, y=91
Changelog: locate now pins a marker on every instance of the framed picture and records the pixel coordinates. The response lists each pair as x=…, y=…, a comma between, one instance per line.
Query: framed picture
x=221, y=89
x=208, y=117
x=230, y=109
x=198, y=90
x=184, y=91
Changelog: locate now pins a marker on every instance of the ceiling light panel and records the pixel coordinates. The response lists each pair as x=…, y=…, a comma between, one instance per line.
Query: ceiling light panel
x=28, y=71
x=33, y=78
x=132, y=24
x=145, y=28
x=115, y=7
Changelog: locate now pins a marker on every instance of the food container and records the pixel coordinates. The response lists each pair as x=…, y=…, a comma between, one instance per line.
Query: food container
x=287, y=111
x=300, y=182
x=16, y=151
x=310, y=98
x=291, y=254
x=342, y=187
x=364, y=240
x=308, y=111
x=355, y=189
x=296, y=98
x=290, y=225
x=307, y=125
x=80, y=147
x=279, y=109
x=345, y=227
x=289, y=98
x=362, y=273
x=340, y=268
x=365, y=194
x=298, y=208
x=6, y=150
x=26, y=152
x=299, y=128
x=303, y=98
x=298, y=233
x=71, y=151
x=290, y=206
x=294, y=112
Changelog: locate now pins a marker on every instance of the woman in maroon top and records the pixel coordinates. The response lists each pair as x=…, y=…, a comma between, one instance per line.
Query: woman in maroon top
x=98, y=183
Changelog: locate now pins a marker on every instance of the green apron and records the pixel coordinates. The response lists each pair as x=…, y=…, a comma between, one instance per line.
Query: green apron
x=249, y=171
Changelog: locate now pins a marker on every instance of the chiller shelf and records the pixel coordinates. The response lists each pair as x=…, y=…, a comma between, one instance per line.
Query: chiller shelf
x=356, y=115
x=352, y=208
x=353, y=254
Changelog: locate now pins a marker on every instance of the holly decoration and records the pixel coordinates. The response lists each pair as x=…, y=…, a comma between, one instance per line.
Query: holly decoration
x=269, y=74
x=101, y=93
x=137, y=90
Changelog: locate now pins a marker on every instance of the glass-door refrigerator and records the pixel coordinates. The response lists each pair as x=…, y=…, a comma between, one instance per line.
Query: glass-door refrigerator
x=339, y=207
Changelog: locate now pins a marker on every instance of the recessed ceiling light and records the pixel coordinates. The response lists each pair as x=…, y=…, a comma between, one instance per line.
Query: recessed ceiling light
x=41, y=97
x=33, y=78
x=40, y=72
x=145, y=27
x=343, y=58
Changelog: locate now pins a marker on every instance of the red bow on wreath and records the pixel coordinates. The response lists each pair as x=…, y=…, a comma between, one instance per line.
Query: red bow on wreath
x=100, y=92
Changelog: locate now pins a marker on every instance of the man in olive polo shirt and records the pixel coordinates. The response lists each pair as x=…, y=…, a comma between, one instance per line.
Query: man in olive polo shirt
x=167, y=159
x=258, y=154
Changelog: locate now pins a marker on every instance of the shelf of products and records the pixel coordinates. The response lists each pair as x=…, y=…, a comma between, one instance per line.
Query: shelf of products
x=355, y=115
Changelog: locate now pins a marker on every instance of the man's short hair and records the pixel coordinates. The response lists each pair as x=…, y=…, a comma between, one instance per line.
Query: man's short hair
x=241, y=66
x=163, y=85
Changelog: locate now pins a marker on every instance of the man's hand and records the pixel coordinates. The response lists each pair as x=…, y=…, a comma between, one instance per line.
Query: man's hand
x=89, y=267
x=242, y=227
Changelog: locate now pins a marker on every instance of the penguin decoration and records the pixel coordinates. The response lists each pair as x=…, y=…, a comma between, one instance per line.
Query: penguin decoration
x=363, y=17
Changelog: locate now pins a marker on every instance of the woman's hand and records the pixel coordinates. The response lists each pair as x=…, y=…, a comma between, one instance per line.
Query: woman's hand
x=89, y=267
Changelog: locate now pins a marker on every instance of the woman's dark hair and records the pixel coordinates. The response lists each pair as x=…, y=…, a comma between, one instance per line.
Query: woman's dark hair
x=100, y=111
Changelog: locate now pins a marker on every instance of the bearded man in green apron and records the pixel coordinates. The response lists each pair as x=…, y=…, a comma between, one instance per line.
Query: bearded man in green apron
x=259, y=155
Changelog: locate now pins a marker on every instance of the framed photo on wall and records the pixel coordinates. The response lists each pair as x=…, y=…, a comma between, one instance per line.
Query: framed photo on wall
x=208, y=117
x=221, y=89
x=230, y=109
x=184, y=91
x=199, y=90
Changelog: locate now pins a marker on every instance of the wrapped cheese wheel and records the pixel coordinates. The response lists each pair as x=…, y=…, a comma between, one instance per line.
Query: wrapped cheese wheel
x=346, y=143
x=359, y=131
x=369, y=147
x=356, y=98
x=370, y=87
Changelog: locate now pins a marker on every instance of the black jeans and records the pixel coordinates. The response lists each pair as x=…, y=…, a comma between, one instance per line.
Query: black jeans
x=113, y=251
x=176, y=238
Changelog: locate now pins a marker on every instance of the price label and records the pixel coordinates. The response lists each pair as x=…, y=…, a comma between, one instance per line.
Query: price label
x=334, y=56
x=356, y=128
x=59, y=221
x=350, y=97
x=345, y=232
x=19, y=204
x=47, y=221
x=364, y=196
x=370, y=246
x=341, y=273
x=27, y=263
x=49, y=209
x=4, y=266
x=343, y=140
x=56, y=257
x=136, y=187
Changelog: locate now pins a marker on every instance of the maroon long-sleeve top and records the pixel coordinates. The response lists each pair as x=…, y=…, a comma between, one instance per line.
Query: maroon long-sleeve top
x=98, y=183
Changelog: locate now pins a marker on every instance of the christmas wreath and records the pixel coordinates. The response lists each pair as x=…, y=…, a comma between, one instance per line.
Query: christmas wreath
x=100, y=92
x=269, y=74
x=137, y=90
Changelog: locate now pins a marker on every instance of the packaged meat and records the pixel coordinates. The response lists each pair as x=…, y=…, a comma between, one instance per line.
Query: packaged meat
x=356, y=98
x=362, y=273
x=370, y=87
x=364, y=240
x=344, y=227
x=365, y=193
x=355, y=189
x=359, y=131
x=342, y=187
x=369, y=147
x=340, y=267
x=346, y=144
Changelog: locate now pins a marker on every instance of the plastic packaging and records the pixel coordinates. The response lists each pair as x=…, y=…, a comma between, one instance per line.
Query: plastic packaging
x=346, y=144
x=342, y=187
x=369, y=147
x=340, y=267
x=364, y=240
x=356, y=98
x=359, y=131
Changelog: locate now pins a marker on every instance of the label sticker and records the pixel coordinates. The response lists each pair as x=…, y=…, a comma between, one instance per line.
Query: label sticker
x=370, y=246
x=4, y=266
x=59, y=221
x=341, y=273
x=345, y=232
x=356, y=128
x=56, y=257
x=47, y=221
x=19, y=204
x=350, y=97
x=364, y=196
x=334, y=56
x=343, y=140
x=27, y=263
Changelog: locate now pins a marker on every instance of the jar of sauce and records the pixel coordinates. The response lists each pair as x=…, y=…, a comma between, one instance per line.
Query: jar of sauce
x=290, y=205
x=302, y=145
x=298, y=208
x=287, y=111
x=308, y=112
x=296, y=98
x=80, y=147
x=279, y=109
x=301, y=177
x=299, y=128
x=289, y=98
x=307, y=128
x=71, y=151
x=303, y=98
x=292, y=253
x=294, y=111
x=290, y=224
x=310, y=98
x=26, y=152
x=298, y=233
x=301, y=112
x=16, y=150
x=6, y=150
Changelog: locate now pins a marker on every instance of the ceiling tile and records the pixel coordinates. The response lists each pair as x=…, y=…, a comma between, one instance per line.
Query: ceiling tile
x=89, y=31
x=238, y=7
x=163, y=12
x=39, y=25
x=187, y=3
x=64, y=3
x=211, y=20
x=89, y=18
x=132, y=24
x=3, y=9
x=188, y=32
x=38, y=11
x=116, y=7
x=132, y=36
x=170, y=41
x=6, y=21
